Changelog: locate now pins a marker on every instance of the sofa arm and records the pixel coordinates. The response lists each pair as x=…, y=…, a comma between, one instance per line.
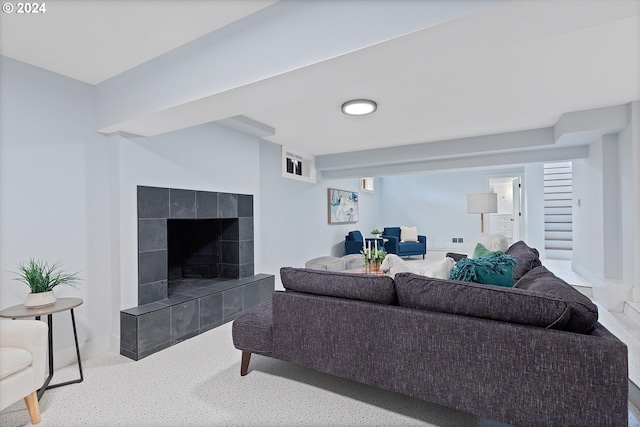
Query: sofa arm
x=352, y=247
x=30, y=335
x=456, y=257
x=391, y=246
x=423, y=239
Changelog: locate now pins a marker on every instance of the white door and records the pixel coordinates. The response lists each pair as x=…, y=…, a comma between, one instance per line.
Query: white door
x=517, y=209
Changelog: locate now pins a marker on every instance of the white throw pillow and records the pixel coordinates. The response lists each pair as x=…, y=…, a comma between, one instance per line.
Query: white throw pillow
x=493, y=242
x=440, y=269
x=393, y=264
x=408, y=234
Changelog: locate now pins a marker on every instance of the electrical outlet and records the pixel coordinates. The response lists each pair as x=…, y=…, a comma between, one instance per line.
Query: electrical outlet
x=460, y=240
x=454, y=240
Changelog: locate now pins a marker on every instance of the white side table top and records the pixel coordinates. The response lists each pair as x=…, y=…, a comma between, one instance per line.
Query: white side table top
x=20, y=311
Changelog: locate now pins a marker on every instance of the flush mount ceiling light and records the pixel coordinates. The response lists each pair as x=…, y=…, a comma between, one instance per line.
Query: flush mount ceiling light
x=359, y=107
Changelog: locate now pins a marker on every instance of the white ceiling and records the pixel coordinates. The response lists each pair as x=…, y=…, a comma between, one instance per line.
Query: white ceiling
x=517, y=65
x=92, y=40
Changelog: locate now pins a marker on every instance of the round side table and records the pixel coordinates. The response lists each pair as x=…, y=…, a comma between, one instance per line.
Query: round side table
x=61, y=304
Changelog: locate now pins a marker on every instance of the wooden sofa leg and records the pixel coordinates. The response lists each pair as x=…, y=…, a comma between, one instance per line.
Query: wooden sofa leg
x=244, y=367
x=422, y=256
x=33, y=407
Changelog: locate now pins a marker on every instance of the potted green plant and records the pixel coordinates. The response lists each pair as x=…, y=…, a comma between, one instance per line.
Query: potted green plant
x=376, y=233
x=372, y=258
x=41, y=278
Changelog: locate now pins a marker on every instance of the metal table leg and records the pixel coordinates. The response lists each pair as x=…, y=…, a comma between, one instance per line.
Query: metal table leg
x=46, y=385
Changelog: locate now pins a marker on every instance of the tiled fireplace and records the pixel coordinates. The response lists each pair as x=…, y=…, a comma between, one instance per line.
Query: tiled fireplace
x=195, y=267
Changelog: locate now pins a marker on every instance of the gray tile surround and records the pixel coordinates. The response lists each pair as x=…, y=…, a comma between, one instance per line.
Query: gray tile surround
x=168, y=315
x=157, y=205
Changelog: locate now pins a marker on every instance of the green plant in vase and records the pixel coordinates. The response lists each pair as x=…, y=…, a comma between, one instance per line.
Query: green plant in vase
x=42, y=278
x=376, y=233
x=372, y=257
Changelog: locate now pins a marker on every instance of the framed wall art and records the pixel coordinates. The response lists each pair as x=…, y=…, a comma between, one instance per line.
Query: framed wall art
x=343, y=206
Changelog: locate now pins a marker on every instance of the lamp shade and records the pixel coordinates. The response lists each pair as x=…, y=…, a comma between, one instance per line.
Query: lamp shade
x=478, y=203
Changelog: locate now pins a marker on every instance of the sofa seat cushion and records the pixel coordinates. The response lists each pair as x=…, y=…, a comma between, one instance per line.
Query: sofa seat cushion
x=526, y=259
x=372, y=288
x=483, y=301
x=12, y=360
x=253, y=330
x=411, y=247
x=583, y=313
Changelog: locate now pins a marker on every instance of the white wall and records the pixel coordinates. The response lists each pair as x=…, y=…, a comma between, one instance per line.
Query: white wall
x=294, y=215
x=54, y=197
x=588, y=243
x=437, y=204
x=533, y=208
x=630, y=192
x=207, y=157
x=604, y=242
x=68, y=193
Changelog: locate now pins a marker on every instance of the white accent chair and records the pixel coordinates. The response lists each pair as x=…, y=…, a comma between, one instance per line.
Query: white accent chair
x=23, y=354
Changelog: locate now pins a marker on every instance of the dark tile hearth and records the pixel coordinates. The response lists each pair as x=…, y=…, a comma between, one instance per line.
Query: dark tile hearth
x=193, y=307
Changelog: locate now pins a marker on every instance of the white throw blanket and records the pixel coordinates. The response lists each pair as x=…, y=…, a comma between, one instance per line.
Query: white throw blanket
x=393, y=264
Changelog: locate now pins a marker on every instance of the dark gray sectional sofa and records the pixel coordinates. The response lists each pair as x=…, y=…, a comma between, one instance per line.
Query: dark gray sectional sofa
x=531, y=355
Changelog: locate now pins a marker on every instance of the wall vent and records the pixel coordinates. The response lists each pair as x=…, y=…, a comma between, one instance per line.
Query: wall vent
x=298, y=166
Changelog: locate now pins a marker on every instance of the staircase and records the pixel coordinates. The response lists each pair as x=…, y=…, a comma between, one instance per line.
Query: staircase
x=558, y=219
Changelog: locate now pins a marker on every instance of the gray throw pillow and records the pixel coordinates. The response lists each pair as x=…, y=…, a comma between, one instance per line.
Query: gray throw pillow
x=583, y=313
x=527, y=258
x=372, y=288
x=484, y=301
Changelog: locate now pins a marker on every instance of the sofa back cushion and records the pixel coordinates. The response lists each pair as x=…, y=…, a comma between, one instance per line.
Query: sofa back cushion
x=371, y=288
x=392, y=232
x=483, y=301
x=583, y=313
x=527, y=259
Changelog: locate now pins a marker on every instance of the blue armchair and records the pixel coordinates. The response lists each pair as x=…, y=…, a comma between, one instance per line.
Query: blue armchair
x=395, y=246
x=354, y=240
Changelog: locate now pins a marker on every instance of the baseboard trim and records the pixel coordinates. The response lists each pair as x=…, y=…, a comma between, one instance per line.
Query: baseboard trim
x=67, y=356
x=634, y=394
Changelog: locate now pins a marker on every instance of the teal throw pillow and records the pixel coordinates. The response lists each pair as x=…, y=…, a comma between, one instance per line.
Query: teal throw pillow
x=493, y=270
x=481, y=251
x=501, y=276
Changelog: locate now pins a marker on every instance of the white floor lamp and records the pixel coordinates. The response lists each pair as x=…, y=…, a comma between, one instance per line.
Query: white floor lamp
x=482, y=203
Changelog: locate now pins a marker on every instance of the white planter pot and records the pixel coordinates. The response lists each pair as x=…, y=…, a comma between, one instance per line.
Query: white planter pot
x=40, y=299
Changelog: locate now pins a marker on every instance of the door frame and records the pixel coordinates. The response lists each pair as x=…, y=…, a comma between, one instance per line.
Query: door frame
x=518, y=213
